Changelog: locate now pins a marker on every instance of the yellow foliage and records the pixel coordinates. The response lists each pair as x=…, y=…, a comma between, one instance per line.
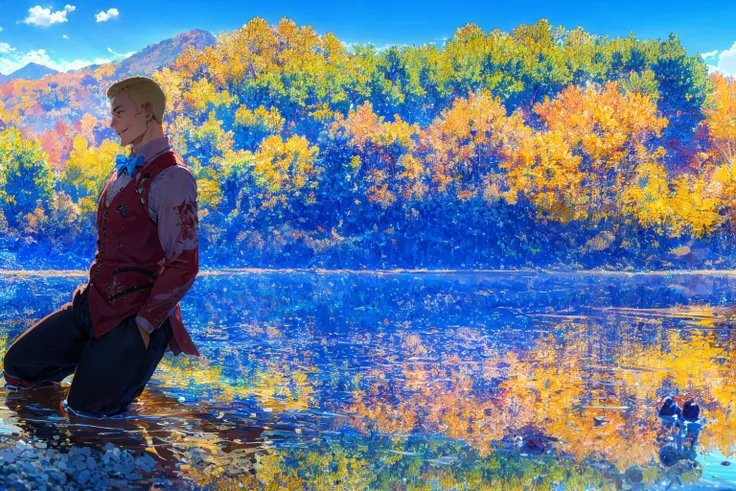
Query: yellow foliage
x=268, y=120
x=87, y=170
x=285, y=167
x=202, y=93
x=209, y=194
x=720, y=122
x=688, y=207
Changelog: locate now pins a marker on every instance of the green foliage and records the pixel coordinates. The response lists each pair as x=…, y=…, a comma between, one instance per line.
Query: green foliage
x=26, y=180
x=684, y=85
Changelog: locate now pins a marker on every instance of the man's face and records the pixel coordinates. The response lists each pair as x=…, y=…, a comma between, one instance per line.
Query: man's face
x=127, y=122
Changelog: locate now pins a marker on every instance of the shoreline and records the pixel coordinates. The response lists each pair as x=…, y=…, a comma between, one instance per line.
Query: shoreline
x=223, y=271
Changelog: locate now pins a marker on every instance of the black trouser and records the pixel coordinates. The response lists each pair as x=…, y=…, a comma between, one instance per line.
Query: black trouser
x=109, y=372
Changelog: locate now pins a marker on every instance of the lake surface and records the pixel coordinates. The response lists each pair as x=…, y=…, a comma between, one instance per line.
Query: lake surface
x=466, y=380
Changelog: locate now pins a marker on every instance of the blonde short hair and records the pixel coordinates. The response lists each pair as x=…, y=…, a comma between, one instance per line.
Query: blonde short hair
x=141, y=91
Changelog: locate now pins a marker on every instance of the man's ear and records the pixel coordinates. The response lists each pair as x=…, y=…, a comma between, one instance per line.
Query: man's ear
x=148, y=107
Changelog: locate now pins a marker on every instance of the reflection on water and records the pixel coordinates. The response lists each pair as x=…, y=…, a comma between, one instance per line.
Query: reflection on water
x=462, y=380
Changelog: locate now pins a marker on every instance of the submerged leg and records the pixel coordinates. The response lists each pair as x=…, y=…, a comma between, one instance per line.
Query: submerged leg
x=115, y=369
x=49, y=350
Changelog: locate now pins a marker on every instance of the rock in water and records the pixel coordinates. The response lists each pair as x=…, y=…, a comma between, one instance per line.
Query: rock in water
x=634, y=474
x=669, y=455
x=684, y=471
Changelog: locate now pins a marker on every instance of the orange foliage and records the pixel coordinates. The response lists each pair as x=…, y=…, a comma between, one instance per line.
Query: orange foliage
x=386, y=153
x=592, y=142
x=469, y=139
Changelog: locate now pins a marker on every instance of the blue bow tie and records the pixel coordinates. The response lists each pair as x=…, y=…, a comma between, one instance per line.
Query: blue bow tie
x=128, y=163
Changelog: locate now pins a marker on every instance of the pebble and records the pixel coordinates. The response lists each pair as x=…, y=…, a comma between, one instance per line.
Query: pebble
x=145, y=463
x=32, y=465
x=83, y=477
x=7, y=456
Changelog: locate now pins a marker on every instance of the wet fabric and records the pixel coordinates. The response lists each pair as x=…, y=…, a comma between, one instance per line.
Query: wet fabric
x=109, y=372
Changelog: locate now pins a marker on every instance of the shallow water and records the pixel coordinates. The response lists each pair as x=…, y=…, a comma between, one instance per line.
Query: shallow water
x=408, y=380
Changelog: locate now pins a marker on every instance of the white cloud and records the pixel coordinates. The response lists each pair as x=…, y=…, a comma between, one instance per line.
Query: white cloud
x=726, y=62
x=6, y=48
x=37, y=56
x=105, y=16
x=64, y=36
x=1, y=28
x=121, y=55
x=65, y=66
x=709, y=54
x=39, y=16
x=9, y=65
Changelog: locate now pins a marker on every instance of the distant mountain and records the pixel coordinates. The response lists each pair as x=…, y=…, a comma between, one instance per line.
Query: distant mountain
x=32, y=71
x=144, y=62
x=155, y=56
x=78, y=92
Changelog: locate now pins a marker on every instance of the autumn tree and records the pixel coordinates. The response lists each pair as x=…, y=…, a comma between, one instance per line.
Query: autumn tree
x=286, y=173
x=591, y=144
x=85, y=174
x=468, y=142
x=381, y=155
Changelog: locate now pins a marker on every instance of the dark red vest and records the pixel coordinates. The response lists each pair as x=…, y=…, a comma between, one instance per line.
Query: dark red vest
x=130, y=258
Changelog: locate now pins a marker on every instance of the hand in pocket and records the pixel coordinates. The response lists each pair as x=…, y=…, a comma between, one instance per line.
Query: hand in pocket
x=144, y=334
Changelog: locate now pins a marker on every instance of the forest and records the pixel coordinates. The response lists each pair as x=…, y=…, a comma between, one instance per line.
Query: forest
x=538, y=148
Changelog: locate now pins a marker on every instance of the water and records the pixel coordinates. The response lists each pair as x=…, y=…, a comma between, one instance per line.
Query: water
x=415, y=380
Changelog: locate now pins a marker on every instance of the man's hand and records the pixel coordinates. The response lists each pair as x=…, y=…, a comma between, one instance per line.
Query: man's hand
x=144, y=334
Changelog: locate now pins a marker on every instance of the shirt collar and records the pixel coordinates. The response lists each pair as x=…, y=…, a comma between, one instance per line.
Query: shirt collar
x=152, y=148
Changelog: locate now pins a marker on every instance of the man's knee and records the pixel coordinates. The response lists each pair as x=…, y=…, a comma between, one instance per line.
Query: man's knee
x=11, y=364
x=16, y=366
x=19, y=374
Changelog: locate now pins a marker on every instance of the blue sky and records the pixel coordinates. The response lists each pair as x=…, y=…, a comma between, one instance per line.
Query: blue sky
x=74, y=33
